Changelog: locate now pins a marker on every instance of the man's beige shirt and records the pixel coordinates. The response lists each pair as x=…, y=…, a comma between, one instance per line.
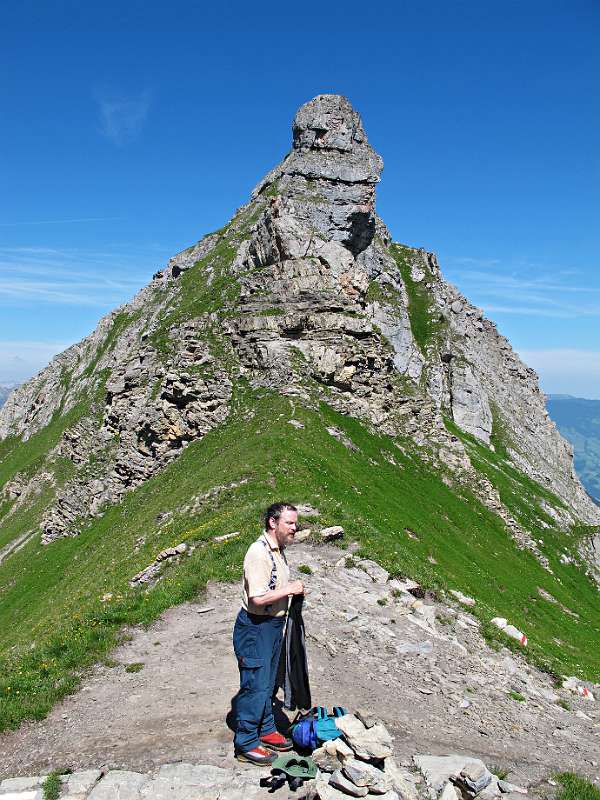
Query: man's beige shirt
x=257, y=575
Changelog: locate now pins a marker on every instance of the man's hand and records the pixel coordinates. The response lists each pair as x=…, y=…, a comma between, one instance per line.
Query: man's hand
x=295, y=587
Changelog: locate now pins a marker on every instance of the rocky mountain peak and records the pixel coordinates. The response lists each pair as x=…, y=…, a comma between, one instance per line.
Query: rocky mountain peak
x=328, y=122
x=330, y=173
x=303, y=293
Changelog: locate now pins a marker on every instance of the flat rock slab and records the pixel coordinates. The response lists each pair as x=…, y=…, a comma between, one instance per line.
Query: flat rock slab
x=26, y=795
x=119, y=785
x=21, y=784
x=79, y=784
x=190, y=782
x=438, y=769
x=374, y=571
x=374, y=742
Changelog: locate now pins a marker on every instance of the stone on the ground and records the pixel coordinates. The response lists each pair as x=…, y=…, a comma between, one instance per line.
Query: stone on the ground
x=306, y=510
x=400, y=778
x=364, y=774
x=506, y=788
x=192, y=776
x=415, y=648
x=374, y=742
x=450, y=793
x=462, y=598
x=427, y=613
x=340, y=781
x=332, y=754
x=302, y=536
x=78, y=784
x=437, y=770
x=366, y=717
x=224, y=537
x=29, y=794
x=334, y=532
x=325, y=760
x=326, y=792
x=474, y=776
x=22, y=784
x=491, y=791
x=512, y=796
x=119, y=785
x=374, y=571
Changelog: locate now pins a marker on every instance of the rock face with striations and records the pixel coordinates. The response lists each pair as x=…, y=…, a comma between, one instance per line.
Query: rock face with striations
x=304, y=288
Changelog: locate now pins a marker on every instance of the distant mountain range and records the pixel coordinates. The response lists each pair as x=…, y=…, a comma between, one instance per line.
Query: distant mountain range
x=5, y=390
x=579, y=421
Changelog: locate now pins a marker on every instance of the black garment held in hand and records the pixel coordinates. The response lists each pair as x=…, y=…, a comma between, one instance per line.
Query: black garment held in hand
x=292, y=673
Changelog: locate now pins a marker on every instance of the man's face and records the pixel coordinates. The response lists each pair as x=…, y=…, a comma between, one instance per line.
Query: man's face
x=284, y=528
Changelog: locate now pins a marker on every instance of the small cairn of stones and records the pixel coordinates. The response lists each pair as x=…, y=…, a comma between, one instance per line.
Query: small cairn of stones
x=360, y=763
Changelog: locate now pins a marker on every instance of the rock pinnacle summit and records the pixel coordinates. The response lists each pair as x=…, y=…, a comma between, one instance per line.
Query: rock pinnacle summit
x=303, y=293
x=331, y=172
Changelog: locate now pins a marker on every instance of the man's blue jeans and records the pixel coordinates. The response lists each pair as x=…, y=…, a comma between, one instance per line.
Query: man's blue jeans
x=257, y=644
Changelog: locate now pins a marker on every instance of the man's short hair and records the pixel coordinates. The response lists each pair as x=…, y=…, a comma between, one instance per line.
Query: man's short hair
x=275, y=510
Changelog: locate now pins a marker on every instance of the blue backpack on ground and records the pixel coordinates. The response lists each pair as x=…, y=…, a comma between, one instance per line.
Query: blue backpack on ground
x=316, y=727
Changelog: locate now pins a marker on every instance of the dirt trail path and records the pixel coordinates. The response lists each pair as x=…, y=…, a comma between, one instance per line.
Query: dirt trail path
x=437, y=687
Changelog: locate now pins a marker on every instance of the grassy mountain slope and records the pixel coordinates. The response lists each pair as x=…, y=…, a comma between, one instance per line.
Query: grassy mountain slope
x=579, y=421
x=56, y=617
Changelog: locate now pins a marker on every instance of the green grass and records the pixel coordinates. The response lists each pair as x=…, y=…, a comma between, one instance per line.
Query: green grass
x=305, y=569
x=499, y=771
x=52, y=785
x=500, y=437
x=120, y=323
x=54, y=624
x=573, y=787
x=137, y=666
x=204, y=288
x=520, y=698
x=426, y=325
x=28, y=457
x=207, y=287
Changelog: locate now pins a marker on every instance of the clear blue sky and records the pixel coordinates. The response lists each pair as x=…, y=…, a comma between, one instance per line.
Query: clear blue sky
x=129, y=130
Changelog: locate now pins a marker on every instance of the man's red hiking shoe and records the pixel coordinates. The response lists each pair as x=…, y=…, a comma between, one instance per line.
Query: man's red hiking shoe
x=258, y=755
x=275, y=741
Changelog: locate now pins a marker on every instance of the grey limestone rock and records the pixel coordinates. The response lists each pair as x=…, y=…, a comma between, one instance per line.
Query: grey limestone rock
x=401, y=780
x=474, y=777
x=450, y=792
x=377, y=573
x=79, y=784
x=470, y=406
x=506, y=788
x=362, y=773
x=333, y=532
x=21, y=784
x=367, y=743
x=331, y=172
x=340, y=781
x=438, y=770
x=119, y=785
x=332, y=754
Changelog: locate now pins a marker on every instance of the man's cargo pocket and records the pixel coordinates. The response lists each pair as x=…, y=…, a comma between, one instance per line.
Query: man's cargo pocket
x=253, y=674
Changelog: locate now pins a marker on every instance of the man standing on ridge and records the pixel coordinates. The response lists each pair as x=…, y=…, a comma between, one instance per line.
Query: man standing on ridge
x=258, y=633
